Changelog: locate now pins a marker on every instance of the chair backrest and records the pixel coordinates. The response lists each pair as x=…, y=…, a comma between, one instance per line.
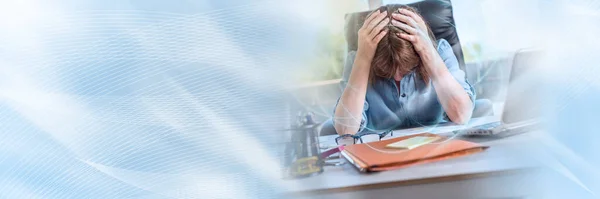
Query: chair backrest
x=438, y=15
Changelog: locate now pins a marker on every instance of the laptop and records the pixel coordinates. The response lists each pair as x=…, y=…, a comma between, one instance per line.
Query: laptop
x=522, y=106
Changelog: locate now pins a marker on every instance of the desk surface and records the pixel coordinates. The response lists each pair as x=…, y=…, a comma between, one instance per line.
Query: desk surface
x=505, y=154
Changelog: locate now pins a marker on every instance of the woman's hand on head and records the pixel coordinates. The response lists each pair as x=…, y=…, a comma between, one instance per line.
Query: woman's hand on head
x=416, y=30
x=371, y=32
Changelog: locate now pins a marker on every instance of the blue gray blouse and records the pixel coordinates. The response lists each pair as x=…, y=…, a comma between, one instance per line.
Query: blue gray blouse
x=417, y=104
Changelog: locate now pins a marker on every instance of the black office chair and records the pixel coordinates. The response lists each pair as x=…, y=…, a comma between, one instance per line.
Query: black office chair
x=439, y=16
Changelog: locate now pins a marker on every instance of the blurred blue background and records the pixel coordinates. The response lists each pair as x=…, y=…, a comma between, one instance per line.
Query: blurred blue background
x=145, y=99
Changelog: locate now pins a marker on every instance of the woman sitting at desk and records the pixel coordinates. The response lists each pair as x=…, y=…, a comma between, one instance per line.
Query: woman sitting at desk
x=401, y=77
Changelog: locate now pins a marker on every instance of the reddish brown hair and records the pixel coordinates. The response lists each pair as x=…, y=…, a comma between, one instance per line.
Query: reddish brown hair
x=396, y=54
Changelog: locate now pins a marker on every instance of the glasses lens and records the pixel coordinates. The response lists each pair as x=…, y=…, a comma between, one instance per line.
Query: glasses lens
x=345, y=140
x=370, y=138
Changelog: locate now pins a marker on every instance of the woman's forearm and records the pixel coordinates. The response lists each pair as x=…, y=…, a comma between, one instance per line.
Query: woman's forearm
x=348, y=113
x=454, y=99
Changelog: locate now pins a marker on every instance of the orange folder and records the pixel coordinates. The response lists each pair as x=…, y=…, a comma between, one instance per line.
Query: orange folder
x=375, y=156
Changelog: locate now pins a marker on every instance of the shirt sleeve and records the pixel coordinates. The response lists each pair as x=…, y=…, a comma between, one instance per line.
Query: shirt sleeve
x=447, y=55
x=345, y=75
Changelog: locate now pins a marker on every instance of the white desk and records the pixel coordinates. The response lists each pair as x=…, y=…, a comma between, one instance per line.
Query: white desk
x=502, y=170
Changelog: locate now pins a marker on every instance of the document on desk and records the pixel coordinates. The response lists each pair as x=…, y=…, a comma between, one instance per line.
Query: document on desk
x=412, y=143
x=375, y=156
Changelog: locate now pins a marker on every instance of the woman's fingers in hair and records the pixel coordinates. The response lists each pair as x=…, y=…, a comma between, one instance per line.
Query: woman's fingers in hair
x=404, y=27
x=380, y=36
x=406, y=19
x=371, y=18
x=379, y=27
x=411, y=38
x=377, y=20
x=410, y=14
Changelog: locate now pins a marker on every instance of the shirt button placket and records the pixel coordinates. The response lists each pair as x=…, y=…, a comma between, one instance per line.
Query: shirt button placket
x=403, y=88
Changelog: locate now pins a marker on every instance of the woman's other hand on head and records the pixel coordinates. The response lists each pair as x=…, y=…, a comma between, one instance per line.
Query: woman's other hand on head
x=416, y=30
x=371, y=32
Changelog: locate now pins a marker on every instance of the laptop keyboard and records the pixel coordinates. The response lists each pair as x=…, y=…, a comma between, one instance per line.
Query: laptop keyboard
x=485, y=129
x=489, y=126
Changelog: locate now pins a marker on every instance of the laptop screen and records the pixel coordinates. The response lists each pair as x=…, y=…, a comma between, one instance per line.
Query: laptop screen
x=524, y=88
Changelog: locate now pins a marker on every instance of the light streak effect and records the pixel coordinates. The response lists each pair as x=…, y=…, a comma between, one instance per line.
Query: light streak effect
x=153, y=99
